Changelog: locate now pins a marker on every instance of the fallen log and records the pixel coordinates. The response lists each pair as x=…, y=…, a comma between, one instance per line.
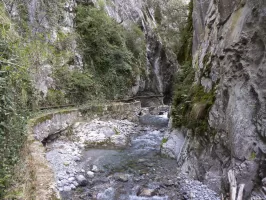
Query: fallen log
x=233, y=187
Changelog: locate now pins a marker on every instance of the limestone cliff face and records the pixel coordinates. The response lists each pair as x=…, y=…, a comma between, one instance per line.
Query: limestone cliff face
x=55, y=19
x=51, y=23
x=161, y=66
x=229, y=55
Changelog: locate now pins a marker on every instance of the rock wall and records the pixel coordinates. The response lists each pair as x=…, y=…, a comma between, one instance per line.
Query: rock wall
x=161, y=65
x=229, y=55
x=41, y=183
x=52, y=24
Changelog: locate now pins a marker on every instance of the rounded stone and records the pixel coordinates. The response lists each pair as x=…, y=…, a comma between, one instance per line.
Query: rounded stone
x=90, y=174
x=95, y=168
x=67, y=188
x=81, y=180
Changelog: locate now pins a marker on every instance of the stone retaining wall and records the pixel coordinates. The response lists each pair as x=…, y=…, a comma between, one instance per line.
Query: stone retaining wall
x=41, y=184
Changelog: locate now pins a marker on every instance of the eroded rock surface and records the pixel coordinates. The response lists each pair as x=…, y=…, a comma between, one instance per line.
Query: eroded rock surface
x=229, y=55
x=161, y=65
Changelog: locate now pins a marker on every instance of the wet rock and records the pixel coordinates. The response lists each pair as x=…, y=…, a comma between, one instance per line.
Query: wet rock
x=75, y=183
x=82, y=181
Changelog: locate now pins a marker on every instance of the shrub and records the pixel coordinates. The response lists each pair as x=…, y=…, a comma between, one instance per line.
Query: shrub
x=191, y=104
x=103, y=42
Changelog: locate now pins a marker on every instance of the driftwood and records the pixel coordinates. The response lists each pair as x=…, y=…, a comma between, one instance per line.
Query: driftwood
x=240, y=192
x=233, y=187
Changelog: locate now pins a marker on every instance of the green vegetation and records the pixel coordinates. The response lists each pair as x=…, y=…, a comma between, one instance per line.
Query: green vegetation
x=171, y=18
x=15, y=91
x=164, y=140
x=117, y=132
x=112, y=54
x=191, y=104
x=158, y=14
x=184, y=53
x=252, y=156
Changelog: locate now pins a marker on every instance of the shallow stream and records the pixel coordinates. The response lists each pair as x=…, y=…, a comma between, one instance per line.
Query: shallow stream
x=136, y=172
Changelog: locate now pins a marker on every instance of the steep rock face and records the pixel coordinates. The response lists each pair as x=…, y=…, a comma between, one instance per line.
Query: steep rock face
x=51, y=23
x=161, y=66
x=54, y=20
x=229, y=55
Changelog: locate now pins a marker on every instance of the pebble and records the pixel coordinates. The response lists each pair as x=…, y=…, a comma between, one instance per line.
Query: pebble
x=147, y=192
x=121, y=177
x=90, y=174
x=64, y=182
x=75, y=183
x=72, y=186
x=81, y=180
x=71, y=179
x=67, y=188
x=95, y=168
x=76, y=158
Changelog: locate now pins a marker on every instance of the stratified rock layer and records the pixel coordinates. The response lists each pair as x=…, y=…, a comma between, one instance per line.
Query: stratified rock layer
x=229, y=55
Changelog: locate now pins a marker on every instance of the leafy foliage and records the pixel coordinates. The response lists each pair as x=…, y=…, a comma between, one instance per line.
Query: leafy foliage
x=106, y=50
x=78, y=86
x=184, y=53
x=14, y=87
x=170, y=16
x=191, y=103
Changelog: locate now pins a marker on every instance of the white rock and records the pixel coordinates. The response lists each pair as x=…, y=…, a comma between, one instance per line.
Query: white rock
x=81, y=180
x=71, y=179
x=75, y=183
x=64, y=182
x=95, y=168
x=67, y=188
x=90, y=174
x=72, y=186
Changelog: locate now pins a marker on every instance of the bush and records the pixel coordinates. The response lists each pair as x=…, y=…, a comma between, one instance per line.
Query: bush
x=76, y=86
x=104, y=45
x=15, y=89
x=191, y=104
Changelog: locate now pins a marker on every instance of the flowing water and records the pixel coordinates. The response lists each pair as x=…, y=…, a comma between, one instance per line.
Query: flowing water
x=138, y=172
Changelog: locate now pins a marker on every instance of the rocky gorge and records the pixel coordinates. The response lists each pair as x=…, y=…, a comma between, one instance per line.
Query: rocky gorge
x=97, y=157
x=167, y=99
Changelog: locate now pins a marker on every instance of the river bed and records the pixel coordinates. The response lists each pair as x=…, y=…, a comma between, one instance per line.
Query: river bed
x=108, y=169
